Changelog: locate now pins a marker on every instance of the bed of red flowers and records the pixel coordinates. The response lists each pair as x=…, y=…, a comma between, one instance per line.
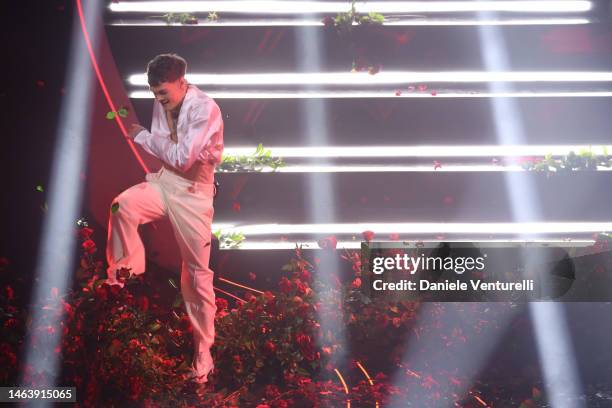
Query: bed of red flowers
x=131, y=346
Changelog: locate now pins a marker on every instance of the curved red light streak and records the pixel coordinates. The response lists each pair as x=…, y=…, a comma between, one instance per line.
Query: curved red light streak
x=96, y=67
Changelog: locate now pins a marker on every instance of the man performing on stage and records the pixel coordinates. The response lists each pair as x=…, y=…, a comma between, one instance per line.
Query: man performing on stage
x=187, y=136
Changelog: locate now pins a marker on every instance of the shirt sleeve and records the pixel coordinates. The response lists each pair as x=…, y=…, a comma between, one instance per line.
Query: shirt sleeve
x=203, y=122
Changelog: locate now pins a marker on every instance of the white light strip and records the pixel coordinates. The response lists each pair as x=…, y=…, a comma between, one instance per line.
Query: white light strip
x=390, y=168
x=387, y=94
x=420, y=151
x=431, y=22
x=300, y=7
x=389, y=22
x=385, y=78
x=279, y=245
x=472, y=168
x=424, y=228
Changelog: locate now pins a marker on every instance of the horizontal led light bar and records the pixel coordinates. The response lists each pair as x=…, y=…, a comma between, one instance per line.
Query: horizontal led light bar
x=384, y=78
x=451, y=168
x=319, y=7
x=356, y=244
x=387, y=94
x=389, y=22
x=444, y=168
x=420, y=151
x=519, y=228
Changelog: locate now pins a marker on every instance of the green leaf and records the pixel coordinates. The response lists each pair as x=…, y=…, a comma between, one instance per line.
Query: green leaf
x=39, y=188
x=123, y=112
x=110, y=115
x=154, y=327
x=114, y=207
x=178, y=301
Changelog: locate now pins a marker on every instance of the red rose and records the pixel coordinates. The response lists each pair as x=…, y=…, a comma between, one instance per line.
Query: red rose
x=221, y=303
x=272, y=391
x=10, y=293
x=281, y=404
x=269, y=347
x=328, y=242
x=89, y=246
x=356, y=283
x=285, y=285
x=328, y=21
x=368, y=235
x=300, y=287
x=102, y=291
x=85, y=233
x=143, y=303
x=303, y=310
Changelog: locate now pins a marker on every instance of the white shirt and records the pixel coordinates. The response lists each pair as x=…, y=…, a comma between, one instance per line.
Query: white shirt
x=199, y=131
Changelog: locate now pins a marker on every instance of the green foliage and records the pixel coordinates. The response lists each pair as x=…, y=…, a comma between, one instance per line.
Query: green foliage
x=254, y=163
x=347, y=25
x=586, y=159
x=122, y=112
x=372, y=18
x=344, y=22
x=229, y=241
x=180, y=18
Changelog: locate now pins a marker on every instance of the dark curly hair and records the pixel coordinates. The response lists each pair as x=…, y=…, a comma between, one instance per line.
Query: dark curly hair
x=165, y=68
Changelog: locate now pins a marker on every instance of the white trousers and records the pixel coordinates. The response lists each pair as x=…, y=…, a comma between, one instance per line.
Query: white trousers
x=189, y=207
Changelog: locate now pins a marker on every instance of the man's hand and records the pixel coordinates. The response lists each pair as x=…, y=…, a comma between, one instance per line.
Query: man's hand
x=134, y=130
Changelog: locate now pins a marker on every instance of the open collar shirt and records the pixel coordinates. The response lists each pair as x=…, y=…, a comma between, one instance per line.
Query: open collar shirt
x=199, y=131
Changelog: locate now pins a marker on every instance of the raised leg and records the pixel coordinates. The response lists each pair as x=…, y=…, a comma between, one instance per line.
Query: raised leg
x=137, y=205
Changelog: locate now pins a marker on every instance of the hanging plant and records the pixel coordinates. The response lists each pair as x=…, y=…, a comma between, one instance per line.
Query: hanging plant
x=344, y=22
x=584, y=160
x=229, y=241
x=250, y=163
x=213, y=16
x=180, y=18
x=345, y=25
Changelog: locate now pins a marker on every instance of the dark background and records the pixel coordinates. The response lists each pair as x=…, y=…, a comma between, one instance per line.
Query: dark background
x=36, y=42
